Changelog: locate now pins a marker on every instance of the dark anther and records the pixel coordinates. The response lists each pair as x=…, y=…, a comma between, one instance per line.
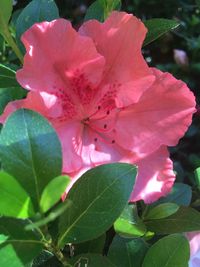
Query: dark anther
x=108, y=112
x=105, y=126
x=99, y=107
x=95, y=139
x=113, y=141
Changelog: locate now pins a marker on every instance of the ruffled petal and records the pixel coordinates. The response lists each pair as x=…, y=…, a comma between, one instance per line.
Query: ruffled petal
x=119, y=39
x=194, y=239
x=70, y=135
x=161, y=117
x=56, y=54
x=33, y=101
x=155, y=177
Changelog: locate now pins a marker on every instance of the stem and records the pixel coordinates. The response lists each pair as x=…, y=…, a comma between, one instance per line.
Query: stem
x=53, y=248
x=59, y=255
x=9, y=39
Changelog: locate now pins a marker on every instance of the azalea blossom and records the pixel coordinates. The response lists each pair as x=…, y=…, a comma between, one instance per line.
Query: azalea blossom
x=194, y=239
x=103, y=100
x=181, y=58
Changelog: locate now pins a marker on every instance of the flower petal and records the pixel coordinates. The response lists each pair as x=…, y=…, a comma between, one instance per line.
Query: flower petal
x=194, y=239
x=70, y=135
x=119, y=39
x=155, y=177
x=55, y=54
x=161, y=117
x=33, y=101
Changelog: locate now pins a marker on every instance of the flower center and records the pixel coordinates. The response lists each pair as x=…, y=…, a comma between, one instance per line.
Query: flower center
x=94, y=107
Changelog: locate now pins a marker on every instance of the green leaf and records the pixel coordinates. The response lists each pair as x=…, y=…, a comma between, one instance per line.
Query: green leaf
x=5, y=13
x=129, y=224
x=162, y=211
x=7, y=77
x=32, y=144
x=109, y=6
x=42, y=258
x=184, y=220
x=9, y=94
x=197, y=174
x=14, y=201
x=169, y=251
x=92, y=246
x=101, y=9
x=56, y=212
x=181, y=194
x=91, y=260
x=9, y=88
x=95, y=11
x=19, y=247
x=98, y=198
x=35, y=11
x=126, y=252
x=158, y=27
x=53, y=191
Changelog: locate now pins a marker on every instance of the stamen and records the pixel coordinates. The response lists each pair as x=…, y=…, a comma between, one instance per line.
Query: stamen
x=113, y=141
x=95, y=139
x=105, y=126
x=108, y=112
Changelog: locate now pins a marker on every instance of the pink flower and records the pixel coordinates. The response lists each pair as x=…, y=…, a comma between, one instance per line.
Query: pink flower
x=194, y=239
x=105, y=103
x=181, y=58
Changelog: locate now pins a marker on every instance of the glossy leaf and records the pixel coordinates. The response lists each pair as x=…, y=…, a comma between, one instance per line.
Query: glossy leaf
x=101, y=9
x=53, y=191
x=129, y=224
x=109, y=6
x=7, y=77
x=93, y=246
x=126, y=252
x=197, y=176
x=9, y=94
x=162, y=211
x=184, y=220
x=158, y=27
x=98, y=198
x=181, y=194
x=35, y=11
x=91, y=260
x=42, y=259
x=5, y=13
x=19, y=247
x=169, y=251
x=32, y=144
x=14, y=201
x=56, y=212
x=95, y=11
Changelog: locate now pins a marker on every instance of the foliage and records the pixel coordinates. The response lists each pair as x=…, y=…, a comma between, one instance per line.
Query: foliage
x=95, y=225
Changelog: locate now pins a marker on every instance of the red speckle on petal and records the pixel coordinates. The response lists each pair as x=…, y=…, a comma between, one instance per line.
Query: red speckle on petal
x=69, y=110
x=82, y=87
